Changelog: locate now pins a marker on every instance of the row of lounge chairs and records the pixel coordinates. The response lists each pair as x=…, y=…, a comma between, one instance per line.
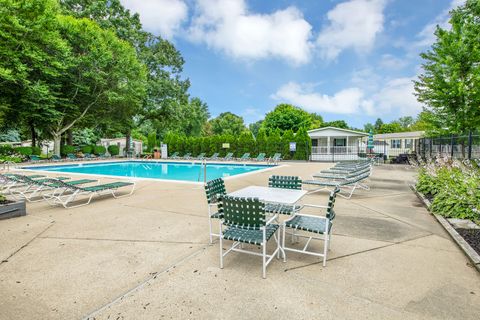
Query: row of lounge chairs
x=348, y=176
x=277, y=157
x=58, y=190
x=250, y=221
x=69, y=157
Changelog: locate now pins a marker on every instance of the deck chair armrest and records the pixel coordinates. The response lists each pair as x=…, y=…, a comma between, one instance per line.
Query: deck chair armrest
x=310, y=215
x=314, y=206
x=272, y=219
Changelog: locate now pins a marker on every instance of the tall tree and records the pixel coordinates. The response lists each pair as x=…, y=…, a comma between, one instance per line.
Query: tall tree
x=228, y=123
x=287, y=117
x=336, y=123
x=449, y=85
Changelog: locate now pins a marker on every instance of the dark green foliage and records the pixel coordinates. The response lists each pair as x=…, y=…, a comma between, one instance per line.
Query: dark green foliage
x=274, y=143
x=152, y=141
x=86, y=149
x=227, y=123
x=287, y=117
x=66, y=149
x=246, y=143
x=36, y=151
x=6, y=149
x=24, y=151
x=114, y=150
x=304, y=145
x=261, y=141
x=99, y=150
x=287, y=137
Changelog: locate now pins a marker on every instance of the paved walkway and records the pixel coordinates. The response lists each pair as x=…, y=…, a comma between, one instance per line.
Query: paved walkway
x=147, y=257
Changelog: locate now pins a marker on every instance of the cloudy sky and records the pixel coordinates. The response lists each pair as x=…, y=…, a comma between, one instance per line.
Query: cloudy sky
x=352, y=60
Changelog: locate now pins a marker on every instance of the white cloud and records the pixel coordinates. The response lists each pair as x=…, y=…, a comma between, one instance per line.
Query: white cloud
x=346, y=101
x=394, y=98
x=397, y=97
x=391, y=62
x=426, y=37
x=352, y=25
x=163, y=17
x=228, y=26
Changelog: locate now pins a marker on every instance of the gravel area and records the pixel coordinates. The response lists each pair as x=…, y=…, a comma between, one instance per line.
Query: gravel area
x=472, y=236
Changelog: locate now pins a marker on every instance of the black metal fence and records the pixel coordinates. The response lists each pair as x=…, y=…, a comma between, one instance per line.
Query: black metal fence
x=454, y=146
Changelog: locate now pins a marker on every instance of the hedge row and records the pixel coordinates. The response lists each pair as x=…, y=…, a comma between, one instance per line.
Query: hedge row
x=97, y=150
x=6, y=150
x=271, y=143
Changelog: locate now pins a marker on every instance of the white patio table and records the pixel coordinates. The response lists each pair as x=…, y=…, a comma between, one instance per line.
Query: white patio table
x=273, y=195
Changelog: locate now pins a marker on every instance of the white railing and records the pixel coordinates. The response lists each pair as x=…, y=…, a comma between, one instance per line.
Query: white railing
x=335, y=150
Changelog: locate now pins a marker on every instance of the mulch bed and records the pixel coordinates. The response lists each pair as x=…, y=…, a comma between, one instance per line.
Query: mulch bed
x=472, y=236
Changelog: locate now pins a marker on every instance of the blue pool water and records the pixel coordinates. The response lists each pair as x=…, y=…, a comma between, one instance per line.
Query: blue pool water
x=156, y=170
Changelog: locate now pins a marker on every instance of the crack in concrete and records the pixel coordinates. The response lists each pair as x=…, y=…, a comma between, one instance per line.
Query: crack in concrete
x=356, y=253
x=26, y=244
x=123, y=240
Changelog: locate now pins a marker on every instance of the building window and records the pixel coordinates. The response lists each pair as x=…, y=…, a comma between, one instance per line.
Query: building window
x=408, y=143
x=314, y=142
x=396, y=143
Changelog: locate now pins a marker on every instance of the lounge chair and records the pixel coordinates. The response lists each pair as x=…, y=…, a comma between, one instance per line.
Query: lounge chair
x=228, y=157
x=246, y=223
x=71, y=156
x=187, y=156
x=89, y=156
x=35, y=158
x=351, y=184
x=174, y=155
x=55, y=198
x=214, y=156
x=341, y=175
x=55, y=158
x=36, y=187
x=12, y=180
x=283, y=182
x=245, y=157
x=318, y=225
x=277, y=157
x=214, y=190
x=201, y=156
x=260, y=157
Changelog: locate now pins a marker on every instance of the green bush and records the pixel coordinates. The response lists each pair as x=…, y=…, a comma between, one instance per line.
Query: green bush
x=15, y=159
x=66, y=149
x=114, y=150
x=36, y=151
x=86, y=149
x=6, y=149
x=99, y=150
x=24, y=151
x=454, y=188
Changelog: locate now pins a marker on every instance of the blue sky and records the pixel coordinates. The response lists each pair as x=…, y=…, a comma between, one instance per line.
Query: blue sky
x=346, y=60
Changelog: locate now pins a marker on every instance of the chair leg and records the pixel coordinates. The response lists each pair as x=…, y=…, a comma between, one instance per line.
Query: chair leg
x=325, y=247
x=210, y=224
x=283, y=244
x=221, y=251
x=264, y=254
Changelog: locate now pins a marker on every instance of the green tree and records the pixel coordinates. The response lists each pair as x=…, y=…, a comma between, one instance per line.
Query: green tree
x=285, y=117
x=449, y=85
x=254, y=127
x=304, y=145
x=317, y=121
x=246, y=143
x=391, y=127
x=274, y=142
x=227, y=123
x=337, y=124
x=152, y=141
x=369, y=127
x=287, y=137
x=378, y=124
x=261, y=141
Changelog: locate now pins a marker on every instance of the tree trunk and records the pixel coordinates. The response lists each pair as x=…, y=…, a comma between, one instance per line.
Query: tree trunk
x=57, y=140
x=33, y=134
x=69, y=137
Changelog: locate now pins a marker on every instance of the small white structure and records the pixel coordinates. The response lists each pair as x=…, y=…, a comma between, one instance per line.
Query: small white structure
x=400, y=142
x=121, y=143
x=336, y=144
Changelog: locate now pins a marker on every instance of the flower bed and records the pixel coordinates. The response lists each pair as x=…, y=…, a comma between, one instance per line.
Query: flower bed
x=453, y=189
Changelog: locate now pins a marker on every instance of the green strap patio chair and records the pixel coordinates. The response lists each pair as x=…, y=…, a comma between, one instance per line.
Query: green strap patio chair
x=277, y=157
x=228, y=157
x=341, y=176
x=260, y=157
x=214, y=190
x=187, y=156
x=351, y=184
x=174, y=155
x=201, y=156
x=56, y=198
x=214, y=156
x=319, y=226
x=245, y=157
x=55, y=158
x=15, y=180
x=35, y=158
x=246, y=223
x=71, y=156
x=283, y=182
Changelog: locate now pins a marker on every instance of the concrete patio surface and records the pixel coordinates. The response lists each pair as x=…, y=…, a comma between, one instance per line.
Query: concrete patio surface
x=147, y=257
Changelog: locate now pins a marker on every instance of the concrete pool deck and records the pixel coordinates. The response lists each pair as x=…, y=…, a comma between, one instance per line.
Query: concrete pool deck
x=147, y=257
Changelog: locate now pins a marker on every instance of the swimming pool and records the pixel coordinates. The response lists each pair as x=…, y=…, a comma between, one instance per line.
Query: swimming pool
x=182, y=171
